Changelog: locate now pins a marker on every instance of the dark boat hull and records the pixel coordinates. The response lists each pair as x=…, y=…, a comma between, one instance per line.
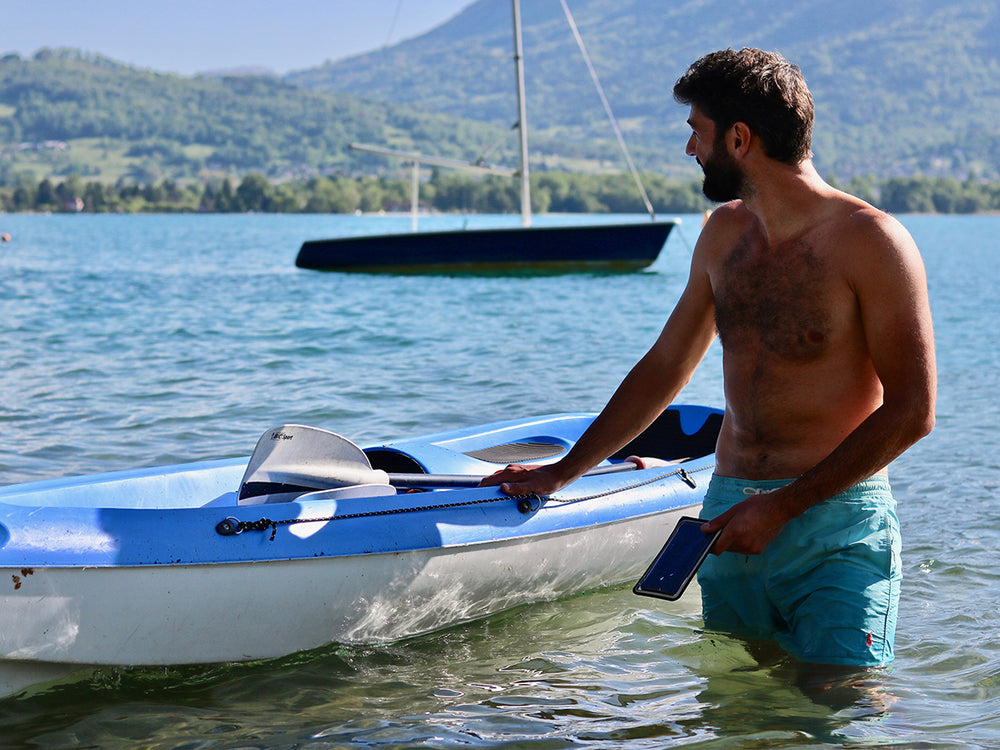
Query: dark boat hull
x=617, y=247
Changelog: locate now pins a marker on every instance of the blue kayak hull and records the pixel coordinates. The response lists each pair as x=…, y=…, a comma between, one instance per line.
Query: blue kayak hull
x=134, y=567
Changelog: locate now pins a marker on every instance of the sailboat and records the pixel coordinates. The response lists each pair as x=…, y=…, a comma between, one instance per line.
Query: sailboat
x=604, y=247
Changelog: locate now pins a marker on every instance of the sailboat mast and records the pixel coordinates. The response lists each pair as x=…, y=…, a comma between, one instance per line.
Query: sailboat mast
x=522, y=122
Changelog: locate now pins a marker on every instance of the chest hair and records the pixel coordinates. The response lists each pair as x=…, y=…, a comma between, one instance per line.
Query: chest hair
x=774, y=300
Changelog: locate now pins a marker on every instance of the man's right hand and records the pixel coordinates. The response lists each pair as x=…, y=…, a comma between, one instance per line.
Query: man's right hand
x=519, y=479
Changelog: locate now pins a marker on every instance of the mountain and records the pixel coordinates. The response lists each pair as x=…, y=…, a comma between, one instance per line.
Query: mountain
x=901, y=86
x=65, y=111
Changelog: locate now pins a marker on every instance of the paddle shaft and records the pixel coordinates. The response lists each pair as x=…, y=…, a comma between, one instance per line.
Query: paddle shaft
x=470, y=480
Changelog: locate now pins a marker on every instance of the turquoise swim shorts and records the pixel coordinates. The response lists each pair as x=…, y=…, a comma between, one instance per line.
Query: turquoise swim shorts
x=826, y=588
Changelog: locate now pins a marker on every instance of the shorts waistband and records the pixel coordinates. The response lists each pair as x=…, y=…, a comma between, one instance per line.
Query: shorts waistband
x=748, y=487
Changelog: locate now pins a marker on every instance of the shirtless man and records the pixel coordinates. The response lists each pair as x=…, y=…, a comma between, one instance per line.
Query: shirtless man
x=820, y=304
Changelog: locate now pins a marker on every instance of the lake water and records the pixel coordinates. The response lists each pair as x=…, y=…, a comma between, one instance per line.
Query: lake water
x=146, y=340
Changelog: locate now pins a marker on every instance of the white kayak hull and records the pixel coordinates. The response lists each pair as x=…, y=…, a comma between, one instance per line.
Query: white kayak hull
x=313, y=577
x=187, y=614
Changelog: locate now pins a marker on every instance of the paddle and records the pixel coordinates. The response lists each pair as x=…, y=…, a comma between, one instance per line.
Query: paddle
x=297, y=458
x=294, y=457
x=472, y=480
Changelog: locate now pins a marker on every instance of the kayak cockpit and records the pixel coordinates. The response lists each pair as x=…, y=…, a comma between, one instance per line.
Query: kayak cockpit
x=321, y=461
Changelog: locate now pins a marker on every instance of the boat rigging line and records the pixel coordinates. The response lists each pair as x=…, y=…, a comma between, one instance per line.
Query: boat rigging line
x=522, y=173
x=607, y=109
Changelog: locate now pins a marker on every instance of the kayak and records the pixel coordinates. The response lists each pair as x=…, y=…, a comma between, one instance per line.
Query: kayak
x=314, y=540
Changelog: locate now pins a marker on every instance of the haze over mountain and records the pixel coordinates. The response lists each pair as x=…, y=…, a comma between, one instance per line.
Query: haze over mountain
x=901, y=87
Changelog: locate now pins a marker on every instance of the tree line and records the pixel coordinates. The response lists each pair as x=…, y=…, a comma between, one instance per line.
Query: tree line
x=551, y=192
x=554, y=192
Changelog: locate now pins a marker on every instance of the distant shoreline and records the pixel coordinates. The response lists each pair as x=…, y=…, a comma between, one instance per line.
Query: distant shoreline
x=552, y=192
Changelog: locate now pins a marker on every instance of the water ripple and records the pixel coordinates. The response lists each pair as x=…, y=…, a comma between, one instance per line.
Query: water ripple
x=139, y=341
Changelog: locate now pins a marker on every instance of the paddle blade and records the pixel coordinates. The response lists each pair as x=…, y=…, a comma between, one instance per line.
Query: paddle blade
x=296, y=458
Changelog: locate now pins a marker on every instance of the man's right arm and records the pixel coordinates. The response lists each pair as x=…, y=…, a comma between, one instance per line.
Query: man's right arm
x=648, y=389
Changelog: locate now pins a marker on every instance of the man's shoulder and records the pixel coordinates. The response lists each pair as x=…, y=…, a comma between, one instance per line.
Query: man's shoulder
x=873, y=246
x=727, y=223
x=727, y=214
x=722, y=231
x=871, y=227
x=853, y=213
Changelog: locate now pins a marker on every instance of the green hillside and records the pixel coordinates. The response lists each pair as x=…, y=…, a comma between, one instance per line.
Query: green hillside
x=902, y=86
x=65, y=112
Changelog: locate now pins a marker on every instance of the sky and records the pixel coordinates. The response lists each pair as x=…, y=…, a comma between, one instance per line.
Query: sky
x=192, y=36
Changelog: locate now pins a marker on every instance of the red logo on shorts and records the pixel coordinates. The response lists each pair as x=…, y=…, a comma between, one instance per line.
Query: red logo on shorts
x=869, y=639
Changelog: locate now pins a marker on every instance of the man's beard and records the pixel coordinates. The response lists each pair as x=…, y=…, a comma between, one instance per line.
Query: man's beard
x=723, y=177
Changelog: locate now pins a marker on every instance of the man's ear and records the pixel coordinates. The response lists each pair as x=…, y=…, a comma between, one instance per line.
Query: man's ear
x=740, y=136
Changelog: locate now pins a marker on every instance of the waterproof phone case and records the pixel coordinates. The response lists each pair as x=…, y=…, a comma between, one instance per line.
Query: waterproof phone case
x=677, y=562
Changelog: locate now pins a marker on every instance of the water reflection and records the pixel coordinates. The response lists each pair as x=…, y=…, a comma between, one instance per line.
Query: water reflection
x=755, y=689
x=594, y=669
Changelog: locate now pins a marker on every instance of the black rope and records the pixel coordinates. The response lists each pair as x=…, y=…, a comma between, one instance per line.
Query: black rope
x=232, y=526
x=528, y=503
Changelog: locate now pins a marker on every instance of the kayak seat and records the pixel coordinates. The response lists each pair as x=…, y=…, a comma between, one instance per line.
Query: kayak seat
x=516, y=453
x=666, y=439
x=395, y=461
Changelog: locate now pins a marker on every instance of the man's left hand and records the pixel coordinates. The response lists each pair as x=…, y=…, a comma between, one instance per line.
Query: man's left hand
x=748, y=527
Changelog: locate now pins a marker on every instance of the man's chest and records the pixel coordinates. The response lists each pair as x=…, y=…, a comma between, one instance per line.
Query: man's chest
x=789, y=302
